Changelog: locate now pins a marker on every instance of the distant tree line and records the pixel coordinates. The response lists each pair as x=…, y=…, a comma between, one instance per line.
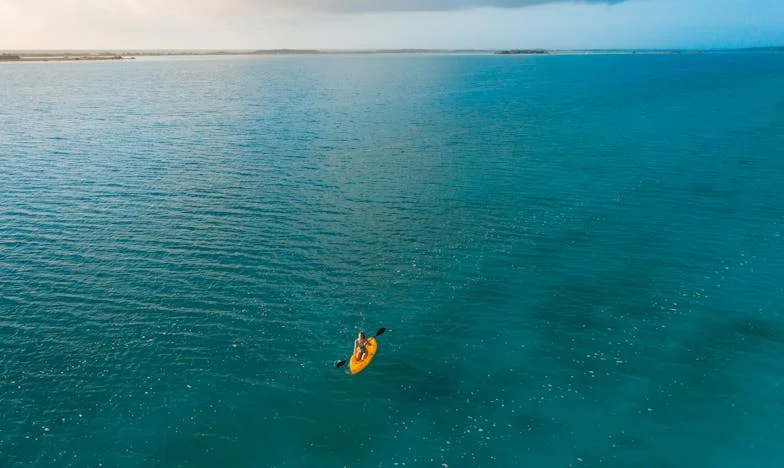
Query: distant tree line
x=522, y=51
x=10, y=57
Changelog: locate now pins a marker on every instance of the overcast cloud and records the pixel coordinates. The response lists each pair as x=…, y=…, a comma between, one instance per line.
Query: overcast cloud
x=356, y=6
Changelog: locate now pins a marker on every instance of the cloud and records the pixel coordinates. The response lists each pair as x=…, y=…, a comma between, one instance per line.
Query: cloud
x=240, y=7
x=360, y=6
x=243, y=11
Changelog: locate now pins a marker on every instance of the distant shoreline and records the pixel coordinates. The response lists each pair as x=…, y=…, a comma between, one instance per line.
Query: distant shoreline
x=54, y=57
x=129, y=54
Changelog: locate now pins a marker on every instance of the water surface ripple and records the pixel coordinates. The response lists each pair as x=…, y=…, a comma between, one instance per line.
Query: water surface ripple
x=579, y=260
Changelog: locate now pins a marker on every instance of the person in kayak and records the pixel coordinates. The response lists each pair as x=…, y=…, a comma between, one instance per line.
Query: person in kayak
x=360, y=347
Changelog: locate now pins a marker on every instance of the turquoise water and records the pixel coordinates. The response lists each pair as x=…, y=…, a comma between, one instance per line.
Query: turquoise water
x=579, y=260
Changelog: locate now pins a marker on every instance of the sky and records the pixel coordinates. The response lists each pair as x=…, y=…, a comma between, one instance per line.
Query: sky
x=385, y=24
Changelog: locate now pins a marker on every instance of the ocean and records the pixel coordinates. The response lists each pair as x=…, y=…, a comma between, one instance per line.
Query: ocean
x=578, y=259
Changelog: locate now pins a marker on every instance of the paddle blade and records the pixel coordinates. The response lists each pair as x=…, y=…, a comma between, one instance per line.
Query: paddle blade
x=381, y=331
x=340, y=363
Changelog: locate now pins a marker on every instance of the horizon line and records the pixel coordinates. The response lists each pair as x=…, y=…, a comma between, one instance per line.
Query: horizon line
x=174, y=50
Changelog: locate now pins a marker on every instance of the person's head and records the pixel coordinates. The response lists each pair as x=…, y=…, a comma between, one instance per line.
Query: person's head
x=361, y=336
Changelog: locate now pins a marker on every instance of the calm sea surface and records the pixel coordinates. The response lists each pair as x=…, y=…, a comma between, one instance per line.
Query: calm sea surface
x=579, y=260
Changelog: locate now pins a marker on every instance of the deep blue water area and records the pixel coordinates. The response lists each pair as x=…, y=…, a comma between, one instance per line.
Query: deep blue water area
x=579, y=260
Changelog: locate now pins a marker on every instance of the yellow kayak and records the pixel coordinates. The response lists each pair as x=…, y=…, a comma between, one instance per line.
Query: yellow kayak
x=354, y=366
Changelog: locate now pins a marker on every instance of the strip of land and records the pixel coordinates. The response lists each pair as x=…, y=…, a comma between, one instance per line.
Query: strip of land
x=76, y=55
x=54, y=57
